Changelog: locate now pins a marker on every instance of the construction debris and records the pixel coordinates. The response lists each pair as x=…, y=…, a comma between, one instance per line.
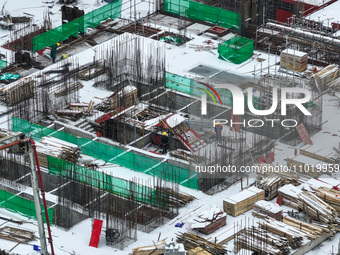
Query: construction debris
x=243, y=201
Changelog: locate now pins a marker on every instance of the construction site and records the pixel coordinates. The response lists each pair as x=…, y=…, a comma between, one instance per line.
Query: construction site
x=170, y=127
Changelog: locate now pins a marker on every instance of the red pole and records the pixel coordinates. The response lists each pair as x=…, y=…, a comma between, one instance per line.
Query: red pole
x=43, y=196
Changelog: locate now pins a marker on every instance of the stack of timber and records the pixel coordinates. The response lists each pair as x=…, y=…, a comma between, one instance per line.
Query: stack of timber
x=121, y=98
x=55, y=147
x=209, y=221
x=198, y=251
x=242, y=201
x=330, y=196
x=326, y=76
x=61, y=91
x=76, y=110
x=155, y=249
x=264, y=208
x=317, y=209
x=312, y=230
x=290, y=196
x=177, y=199
x=91, y=72
x=294, y=236
x=294, y=60
x=191, y=241
x=17, y=92
x=16, y=234
x=262, y=242
x=271, y=183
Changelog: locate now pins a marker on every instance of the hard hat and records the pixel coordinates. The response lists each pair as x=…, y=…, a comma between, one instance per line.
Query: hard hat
x=217, y=123
x=164, y=133
x=58, y=44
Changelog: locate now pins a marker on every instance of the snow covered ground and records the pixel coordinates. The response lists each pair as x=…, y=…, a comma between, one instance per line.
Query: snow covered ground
x=179, y=60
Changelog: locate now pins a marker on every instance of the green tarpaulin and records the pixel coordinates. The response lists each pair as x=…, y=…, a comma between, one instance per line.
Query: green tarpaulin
x=236, y=50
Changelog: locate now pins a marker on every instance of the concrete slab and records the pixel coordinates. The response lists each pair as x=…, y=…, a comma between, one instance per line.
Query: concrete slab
x=203, y=70
x=197, y=28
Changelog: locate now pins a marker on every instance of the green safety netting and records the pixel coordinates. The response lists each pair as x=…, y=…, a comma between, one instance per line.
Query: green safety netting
x=192, y=87
x=194, y=10
x=108, y=153
x=237, y=49
x=22, y=206
x=3, y=64
x=91, y=19
x=101, y=180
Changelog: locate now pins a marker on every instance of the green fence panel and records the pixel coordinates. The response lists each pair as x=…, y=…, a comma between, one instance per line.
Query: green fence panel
x=107, y=153
x=91, y=19
x=22, y=206
x=237, y=49
x=194, y=10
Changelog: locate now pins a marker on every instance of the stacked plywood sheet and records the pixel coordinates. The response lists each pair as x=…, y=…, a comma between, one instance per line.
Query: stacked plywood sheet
x=294, y=60
x=242, y=201
x=210, y=220
x=290, y=195
x=268, y=209
x=317, y=209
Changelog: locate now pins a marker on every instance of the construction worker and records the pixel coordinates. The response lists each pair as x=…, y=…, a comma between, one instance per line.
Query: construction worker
x=218, y=130
x=164, y=142
x=54, y=50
